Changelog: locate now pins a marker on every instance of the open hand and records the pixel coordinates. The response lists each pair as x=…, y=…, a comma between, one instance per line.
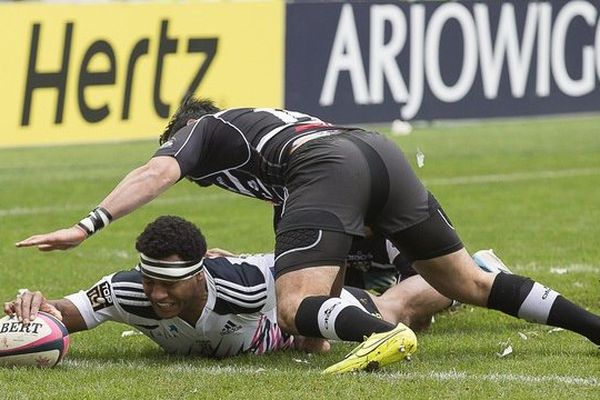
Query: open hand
x=62, y=239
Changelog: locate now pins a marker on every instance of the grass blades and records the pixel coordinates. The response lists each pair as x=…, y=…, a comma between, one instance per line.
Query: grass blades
x=528, y=188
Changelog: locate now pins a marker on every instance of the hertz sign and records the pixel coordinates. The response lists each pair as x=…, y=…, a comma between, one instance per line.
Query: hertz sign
x=117, y=71
x=88, y=78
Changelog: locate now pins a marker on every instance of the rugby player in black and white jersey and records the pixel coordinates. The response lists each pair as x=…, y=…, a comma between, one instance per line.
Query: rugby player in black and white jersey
x=331, y=182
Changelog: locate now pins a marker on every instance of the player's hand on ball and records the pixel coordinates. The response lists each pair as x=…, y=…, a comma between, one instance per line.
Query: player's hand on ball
x=62, y=239
x=27, y=304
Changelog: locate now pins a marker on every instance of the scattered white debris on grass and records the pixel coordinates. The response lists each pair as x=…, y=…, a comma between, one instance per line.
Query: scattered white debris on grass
x=420, y=158
x=401, y=128
x=523, y=336
x=131, y=333
x=506, y=349
x=554, y=330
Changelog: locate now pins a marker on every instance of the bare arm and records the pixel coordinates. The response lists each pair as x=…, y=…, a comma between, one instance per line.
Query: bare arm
x=139, y=187
x=27, y=305
x=142, y=185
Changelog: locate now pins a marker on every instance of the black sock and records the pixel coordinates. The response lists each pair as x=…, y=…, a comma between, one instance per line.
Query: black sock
x=568, y=315
x=523, y=298
x=337, y=319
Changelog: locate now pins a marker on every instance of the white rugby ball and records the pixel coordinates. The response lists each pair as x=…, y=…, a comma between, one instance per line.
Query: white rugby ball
x=43, y=342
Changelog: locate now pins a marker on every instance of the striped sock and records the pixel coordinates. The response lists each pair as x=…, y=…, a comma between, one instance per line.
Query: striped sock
x=336, y=319
x=523, y=298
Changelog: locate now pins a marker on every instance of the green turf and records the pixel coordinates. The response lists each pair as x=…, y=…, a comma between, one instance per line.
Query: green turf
x=528, y=188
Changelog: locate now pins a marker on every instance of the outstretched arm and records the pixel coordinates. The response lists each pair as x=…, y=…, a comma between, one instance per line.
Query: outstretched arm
x=27, y=305
x=139, y=187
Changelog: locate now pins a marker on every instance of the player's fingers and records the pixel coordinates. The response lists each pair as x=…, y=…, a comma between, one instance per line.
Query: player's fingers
x=36, y=300
x=26, y=307
x=50, y=309
x=9, y=308
x=17, y=307
x=30, y=241
x=45, y=239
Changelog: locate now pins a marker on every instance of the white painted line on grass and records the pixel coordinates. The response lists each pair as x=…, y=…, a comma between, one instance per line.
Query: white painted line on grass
x=179, y=367
x=516, y=378
x=198, y=199
x=519, y=176
x=559, y=269
x=459, y=180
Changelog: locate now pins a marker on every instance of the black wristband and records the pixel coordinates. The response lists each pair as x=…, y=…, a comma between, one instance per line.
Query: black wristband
x=97, y=219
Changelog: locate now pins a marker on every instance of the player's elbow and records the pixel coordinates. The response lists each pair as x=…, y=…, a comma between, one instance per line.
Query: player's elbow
x=160, y=173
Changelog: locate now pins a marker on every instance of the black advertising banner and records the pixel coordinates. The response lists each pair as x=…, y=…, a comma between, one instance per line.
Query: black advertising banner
x=380, y=61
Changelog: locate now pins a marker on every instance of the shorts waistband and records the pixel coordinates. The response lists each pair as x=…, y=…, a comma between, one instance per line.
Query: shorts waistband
x=312, y=136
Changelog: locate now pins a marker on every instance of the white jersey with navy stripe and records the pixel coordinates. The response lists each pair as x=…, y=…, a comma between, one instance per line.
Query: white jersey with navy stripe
x=239, y=316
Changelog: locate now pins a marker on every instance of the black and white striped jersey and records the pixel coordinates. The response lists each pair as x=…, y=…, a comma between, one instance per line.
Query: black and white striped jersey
x=239, y=315
x=243, y=150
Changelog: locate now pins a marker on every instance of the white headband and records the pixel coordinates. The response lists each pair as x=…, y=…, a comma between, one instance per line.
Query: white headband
x=169, y=270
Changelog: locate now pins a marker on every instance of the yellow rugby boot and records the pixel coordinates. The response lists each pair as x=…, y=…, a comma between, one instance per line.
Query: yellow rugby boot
x=378, y=350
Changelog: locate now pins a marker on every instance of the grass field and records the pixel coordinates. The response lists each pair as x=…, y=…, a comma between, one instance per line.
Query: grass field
x=530, y=189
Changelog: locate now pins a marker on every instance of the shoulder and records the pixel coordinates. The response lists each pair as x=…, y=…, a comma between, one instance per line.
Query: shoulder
x=128, y=293
x=238, y=286
x=237, y=270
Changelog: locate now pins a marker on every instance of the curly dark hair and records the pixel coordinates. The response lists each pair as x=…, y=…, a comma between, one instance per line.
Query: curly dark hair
x=170, y=235
x=190, y=108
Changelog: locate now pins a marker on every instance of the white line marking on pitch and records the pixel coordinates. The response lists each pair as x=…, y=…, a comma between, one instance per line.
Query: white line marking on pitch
x=395, y=376
x=520, y=176
x=459, y=180
x=18, y=211
x=517, y=378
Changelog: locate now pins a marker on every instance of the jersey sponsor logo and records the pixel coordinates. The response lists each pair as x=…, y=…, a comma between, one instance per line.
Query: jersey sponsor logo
x=248, y=185
x=168, y=144
x=230, y=327
x=100, y=296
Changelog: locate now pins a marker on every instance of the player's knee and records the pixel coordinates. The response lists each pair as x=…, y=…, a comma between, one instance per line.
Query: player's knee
x=286, y=314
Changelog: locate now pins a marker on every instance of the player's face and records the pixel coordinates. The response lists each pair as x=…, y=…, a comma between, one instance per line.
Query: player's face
x=170, y=299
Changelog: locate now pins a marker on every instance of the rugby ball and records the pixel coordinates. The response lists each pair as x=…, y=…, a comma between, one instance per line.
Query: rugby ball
x=43, y=342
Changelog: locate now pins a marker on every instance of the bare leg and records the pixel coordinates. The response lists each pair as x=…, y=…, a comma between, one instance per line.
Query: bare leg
x=457, y=277
x=306, y=307
x=295, y=286
x=412, y=302
x=311, y=345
